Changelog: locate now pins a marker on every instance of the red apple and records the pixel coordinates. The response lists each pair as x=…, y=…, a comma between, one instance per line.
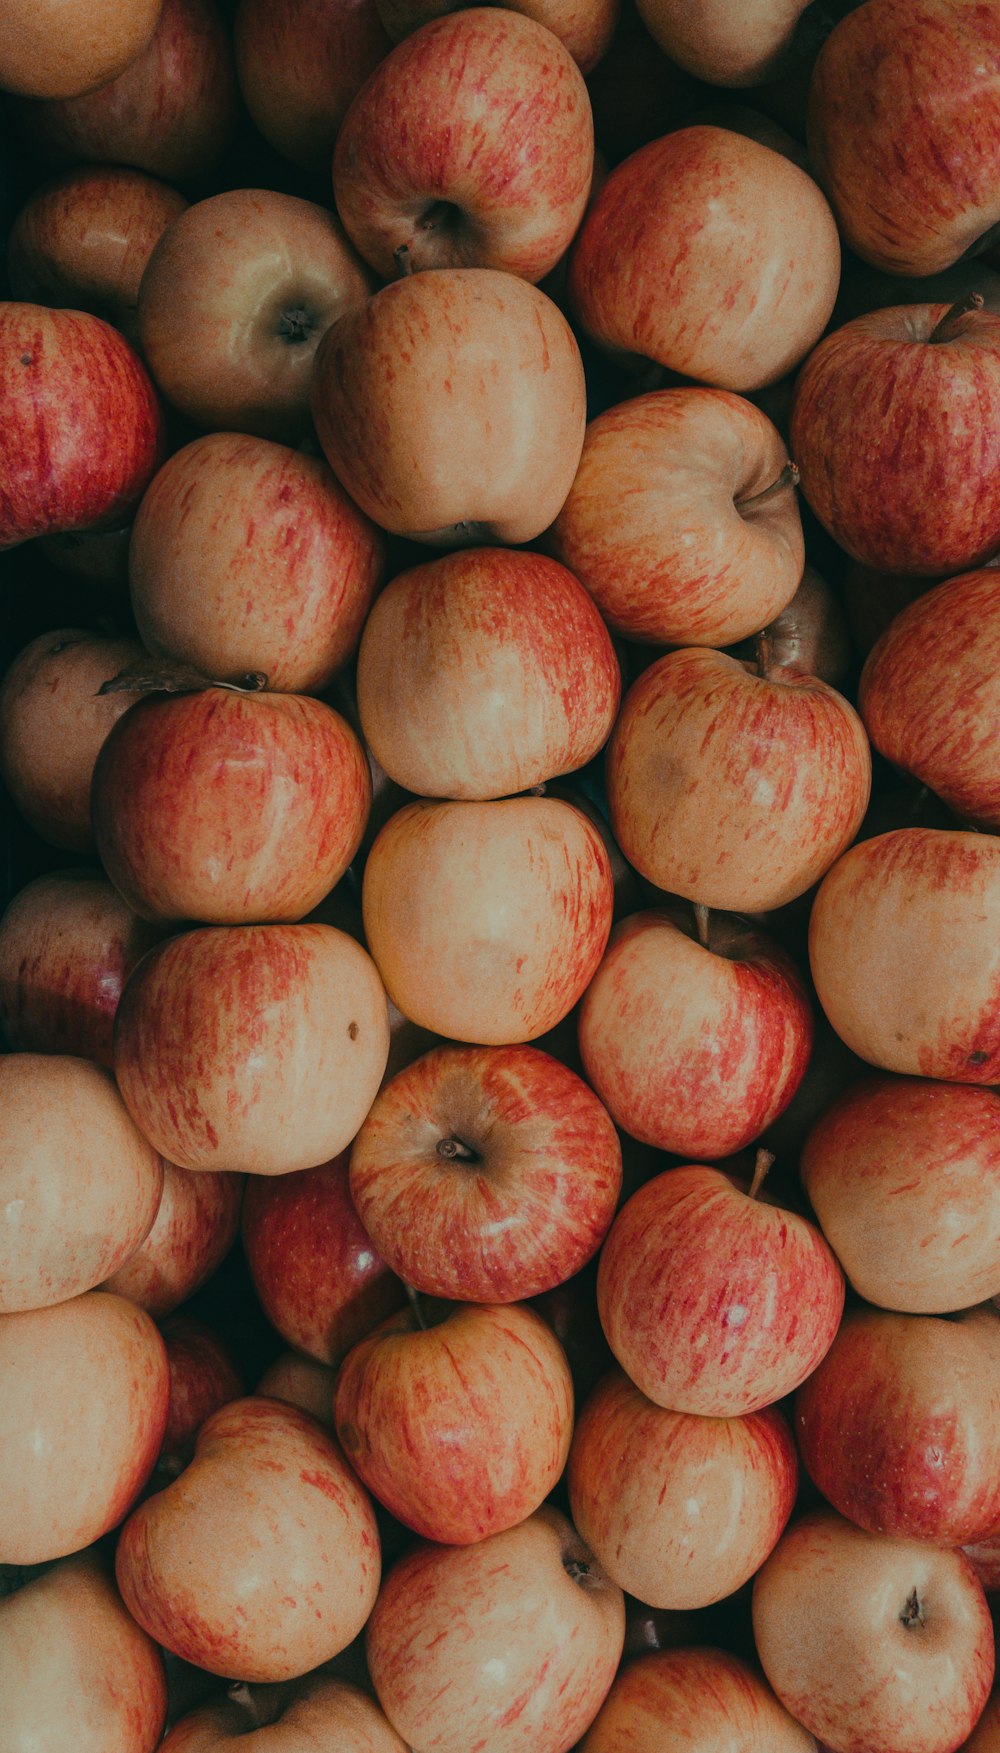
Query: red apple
x=717, y=46
x=274, y=1589
x=252, y=1047
x=703, y=1699
x=196, y=1225
x=712, y=1301
x=303, y=1383
x=985, y=1738
x=49, y=48
x=300, y=62
x=328, y=1712
x=203, y=1377
x=585, y=27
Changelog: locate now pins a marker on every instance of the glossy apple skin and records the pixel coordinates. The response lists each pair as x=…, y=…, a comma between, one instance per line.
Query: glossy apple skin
x=172, y=111
x=680, y=1510
x=694, y=1049
x=887, y=362
x=484, y=673
x=905, y=952
x=303, y=1383
x=320, y=1709
x=466, y=950
x=195, y=1226
x=85, y=1406
x=247, y=555
x=525, y=1211
x=462, y=1429
x=300, y=63
x=67, y=945
x=651, y=527
x=735, y=790
x=704, y=1698
x=929, y=693
x=82, y=432
x=714, y=1302
x=79, y=1185
x=497, y=1644
x=229, y=808
x=904, y=1178
x=908, y=79
x=412, y=433
x=271, y=1591
x=454, y=114
x=666, y=265
x=899, y=1425
x=319, y=1277
x=77, y=1675
x=865, y=1680
x=252, y=1047
x=203, y=1377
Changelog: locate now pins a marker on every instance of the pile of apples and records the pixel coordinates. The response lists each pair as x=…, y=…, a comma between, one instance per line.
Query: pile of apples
x=499, y=1125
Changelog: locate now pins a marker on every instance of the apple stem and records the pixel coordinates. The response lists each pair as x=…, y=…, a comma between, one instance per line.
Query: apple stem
x=701, y=919
x=764, y=1160
x=575, y=1569
x=403, y=260
x=789, y=477
x=417, y=1306
x=763, y=652
x=913, y=1613
x=945, y=330
x=456, y=1150
x=240, y=1694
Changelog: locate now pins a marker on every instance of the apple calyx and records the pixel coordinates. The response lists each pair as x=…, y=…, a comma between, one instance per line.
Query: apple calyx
x=576, y=1569
x=913, y=1612
x=789, y=477
x=947, y=328
x=762, y=1164
x=296, y=325
x=177, y=678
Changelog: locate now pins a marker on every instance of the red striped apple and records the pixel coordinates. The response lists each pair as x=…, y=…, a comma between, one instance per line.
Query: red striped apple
x=203, y=1377
x=703, y=1698
x=322, y=1709
x=300, y=62
x=195, y=1226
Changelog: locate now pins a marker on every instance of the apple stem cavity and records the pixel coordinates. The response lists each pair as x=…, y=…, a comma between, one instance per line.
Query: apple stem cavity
x=701, y=919
x=948, y=326
x=789, y=477
x=913, y=1612
x=764, y=1160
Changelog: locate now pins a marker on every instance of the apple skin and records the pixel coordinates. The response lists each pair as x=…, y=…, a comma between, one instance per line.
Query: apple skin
x=438, y=154
x=462, y=1429
x=908, y=81
x=256, y=1047
x=320, y=1710
x=543, y=1191
x=706, y=1699
x=463, y=948
x=904, y=1178
x=734, y=790
x=709, y=40
x=247, y=555
x=511, y=1643
x=929, y=694
x=680, y=1510
x=585, y=27
x=300, y=63
x=57, y=50
x=318, y=1276
x=899, y=1658
x=485, y=673
x=652, y=525
x=196, y=1225
x=68, y=943
x=86, y=1388
x=714, y=1302
x=899, y=1424
x=203, y=1377
x=667, y=266
x=694, y=1049
x=985, y=1738
x=77, y=1675
x=303, y=1383
x=905, y=952
x=79, y=1185
x=261, y=1560
x=228, y=808
x=473, y=436
x=82, y=431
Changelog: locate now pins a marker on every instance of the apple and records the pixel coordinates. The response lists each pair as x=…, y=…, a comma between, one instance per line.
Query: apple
x=899, y=1424
x=255, y=1047
x=299, y=63
x=709, y=41
x=712, y=255
x=247, y=556
x=303, y=1383
x=484, y=673
x=904, y=1177
x=227, y=807
x=985, y=1738
x=195, y=1226
x=77, y=1675
x=904, y=947
x=865, y=288
x=894, y=87
x=735, y=790
x=636, y=91
x=203, y=1377
x=984, y=1556
x=682, y=522
x=899, y=1651
x=486, y=1174
x=474, y=434
x=269, y=1592
x=82, y=432
x=703, y=1698
x=233, y=302
x=695, y=1046
x=55, y=49
x=84, y=1409
x=809, y=636
x=714, y=1300
x=585, y=27
x=317, y=1274
x=510, y=1644
x=67, y=944
x=320, y=1708
x=438, y=163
